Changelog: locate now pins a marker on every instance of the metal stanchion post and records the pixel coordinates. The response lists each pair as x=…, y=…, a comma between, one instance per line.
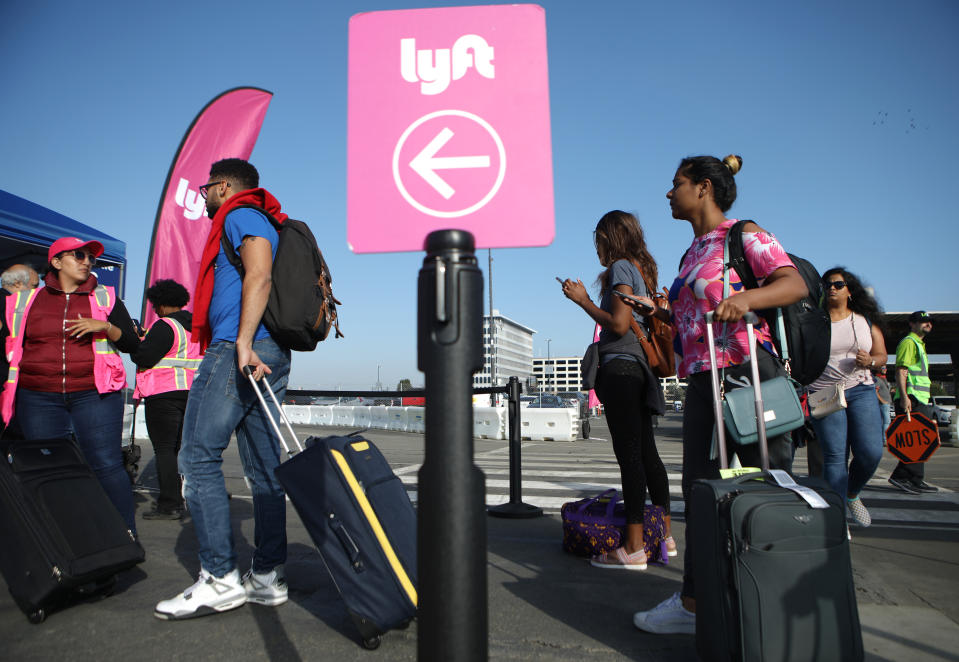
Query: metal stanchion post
x=515, y=508
x=451, y=533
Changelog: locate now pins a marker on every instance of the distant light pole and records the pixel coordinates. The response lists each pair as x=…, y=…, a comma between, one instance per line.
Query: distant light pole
x=549, y=365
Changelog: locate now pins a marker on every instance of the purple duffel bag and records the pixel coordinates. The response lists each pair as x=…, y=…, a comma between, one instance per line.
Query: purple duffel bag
x=596, y=525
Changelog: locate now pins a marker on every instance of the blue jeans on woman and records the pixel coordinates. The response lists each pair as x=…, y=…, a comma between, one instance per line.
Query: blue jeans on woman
x=222, y=402
x=97, y=423
x=857, y=429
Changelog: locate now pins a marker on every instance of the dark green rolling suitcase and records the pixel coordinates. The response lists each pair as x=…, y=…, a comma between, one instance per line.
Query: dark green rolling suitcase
x=772, y=567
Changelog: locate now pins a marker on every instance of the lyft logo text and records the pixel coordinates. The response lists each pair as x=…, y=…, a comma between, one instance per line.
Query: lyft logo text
x=193, y=205
x=435, y=69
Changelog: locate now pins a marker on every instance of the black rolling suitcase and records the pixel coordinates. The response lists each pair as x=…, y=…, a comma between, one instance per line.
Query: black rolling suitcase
x=772, y=566
x=360, y=519
x=62, y=537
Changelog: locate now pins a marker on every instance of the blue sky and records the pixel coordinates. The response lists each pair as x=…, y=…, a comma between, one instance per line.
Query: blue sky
x=844, y=114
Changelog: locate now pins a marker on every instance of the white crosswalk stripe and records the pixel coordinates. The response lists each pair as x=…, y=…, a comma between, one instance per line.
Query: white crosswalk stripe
x=555, y=473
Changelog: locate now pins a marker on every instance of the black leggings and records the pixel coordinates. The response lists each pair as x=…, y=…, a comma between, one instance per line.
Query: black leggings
x=164, y=417
x=698, y=423
x=621, y=387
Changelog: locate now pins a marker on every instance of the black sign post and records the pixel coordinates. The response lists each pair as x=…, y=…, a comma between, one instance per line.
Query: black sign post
x=451, y=536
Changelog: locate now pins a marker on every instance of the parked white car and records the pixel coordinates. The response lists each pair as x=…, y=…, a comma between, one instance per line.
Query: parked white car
x=944, y=405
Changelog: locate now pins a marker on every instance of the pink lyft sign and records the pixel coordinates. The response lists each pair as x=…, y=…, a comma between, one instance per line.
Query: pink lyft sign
x=448, y=127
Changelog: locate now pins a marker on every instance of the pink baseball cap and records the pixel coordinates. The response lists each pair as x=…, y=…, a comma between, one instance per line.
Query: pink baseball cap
x=72, y=243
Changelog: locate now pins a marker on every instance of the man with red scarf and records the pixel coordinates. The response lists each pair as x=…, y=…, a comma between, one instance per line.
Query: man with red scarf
x=227, y=322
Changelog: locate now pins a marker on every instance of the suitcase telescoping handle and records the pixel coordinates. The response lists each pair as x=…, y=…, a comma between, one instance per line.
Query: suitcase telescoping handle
x=750, y=318
x=248, y=371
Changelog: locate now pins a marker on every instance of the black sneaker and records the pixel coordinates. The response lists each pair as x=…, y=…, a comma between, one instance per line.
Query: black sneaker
x=904, y=485
x=923, y=486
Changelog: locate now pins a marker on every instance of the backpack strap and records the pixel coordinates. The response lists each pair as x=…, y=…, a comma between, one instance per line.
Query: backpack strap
x=734, y=258
x=228, y=249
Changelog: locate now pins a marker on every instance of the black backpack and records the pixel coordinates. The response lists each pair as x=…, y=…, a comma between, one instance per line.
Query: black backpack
x=808, y=329
x=301, y=310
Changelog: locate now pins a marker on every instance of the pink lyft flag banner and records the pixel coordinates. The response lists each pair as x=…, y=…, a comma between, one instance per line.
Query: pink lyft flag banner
x=448, y=127
x=226, y=128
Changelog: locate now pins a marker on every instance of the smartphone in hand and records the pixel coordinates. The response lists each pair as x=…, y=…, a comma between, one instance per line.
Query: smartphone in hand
x=560, y=280
x=635, y=300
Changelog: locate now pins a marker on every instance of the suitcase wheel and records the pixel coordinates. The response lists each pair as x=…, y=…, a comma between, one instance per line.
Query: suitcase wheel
x=371, y=644
x=37, y=617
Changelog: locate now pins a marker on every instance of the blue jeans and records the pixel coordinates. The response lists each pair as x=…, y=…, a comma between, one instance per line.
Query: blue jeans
x=222, y=402
x=856, y=429
x=97, y=422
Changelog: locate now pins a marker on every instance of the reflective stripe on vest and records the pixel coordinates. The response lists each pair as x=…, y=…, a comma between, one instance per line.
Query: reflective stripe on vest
x=917, y=376
x=103, y=345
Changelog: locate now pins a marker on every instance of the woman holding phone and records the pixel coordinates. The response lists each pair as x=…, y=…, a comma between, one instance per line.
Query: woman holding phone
x=629, y=391
x=702, y=192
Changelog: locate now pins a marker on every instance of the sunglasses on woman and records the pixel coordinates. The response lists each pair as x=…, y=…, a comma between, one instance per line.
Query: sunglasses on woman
x=836, y=284
x=81, y=256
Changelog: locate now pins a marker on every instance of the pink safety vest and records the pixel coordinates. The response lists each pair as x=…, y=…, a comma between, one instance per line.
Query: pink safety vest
x=108, y=372
x=175, y=371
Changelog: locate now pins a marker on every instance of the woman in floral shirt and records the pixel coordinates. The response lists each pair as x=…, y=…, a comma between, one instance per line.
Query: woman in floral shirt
x=703, y=189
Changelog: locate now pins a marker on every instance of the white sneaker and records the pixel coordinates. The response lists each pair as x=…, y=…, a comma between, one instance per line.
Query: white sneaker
x=668, y=617
x=266, y=589
x=209, y=595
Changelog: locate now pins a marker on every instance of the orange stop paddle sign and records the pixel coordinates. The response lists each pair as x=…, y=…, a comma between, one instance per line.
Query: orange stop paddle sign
x=914, y=439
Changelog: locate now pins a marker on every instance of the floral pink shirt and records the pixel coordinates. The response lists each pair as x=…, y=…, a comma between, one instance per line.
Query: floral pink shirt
x=698, y=289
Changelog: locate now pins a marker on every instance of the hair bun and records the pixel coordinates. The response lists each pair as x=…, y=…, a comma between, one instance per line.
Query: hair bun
x=734, y=162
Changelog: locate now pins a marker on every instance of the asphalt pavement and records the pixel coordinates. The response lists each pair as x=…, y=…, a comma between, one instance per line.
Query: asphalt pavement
x=543, y=604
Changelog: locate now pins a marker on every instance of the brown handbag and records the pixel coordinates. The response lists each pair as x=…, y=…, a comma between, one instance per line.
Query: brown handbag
x=658, y=344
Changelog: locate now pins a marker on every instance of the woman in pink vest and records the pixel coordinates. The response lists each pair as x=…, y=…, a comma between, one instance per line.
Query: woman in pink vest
x=167, y=360
x=66, y=374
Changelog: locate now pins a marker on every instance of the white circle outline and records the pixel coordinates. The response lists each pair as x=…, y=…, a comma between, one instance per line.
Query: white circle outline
x=463, y=212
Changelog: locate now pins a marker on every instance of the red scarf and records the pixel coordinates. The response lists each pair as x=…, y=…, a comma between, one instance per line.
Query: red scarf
x=202, y=333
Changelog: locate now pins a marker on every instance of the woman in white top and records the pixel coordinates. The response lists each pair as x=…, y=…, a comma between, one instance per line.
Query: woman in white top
x=857, y=346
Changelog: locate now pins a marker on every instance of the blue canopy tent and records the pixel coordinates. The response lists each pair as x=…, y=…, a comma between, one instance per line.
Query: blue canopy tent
x=27, y=230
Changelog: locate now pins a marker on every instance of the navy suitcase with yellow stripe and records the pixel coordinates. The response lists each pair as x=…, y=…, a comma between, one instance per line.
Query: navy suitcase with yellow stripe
x=360, y=519
x=363, y=524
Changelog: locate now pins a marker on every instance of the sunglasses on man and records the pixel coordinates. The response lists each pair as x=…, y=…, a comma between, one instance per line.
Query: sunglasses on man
x=205, y=189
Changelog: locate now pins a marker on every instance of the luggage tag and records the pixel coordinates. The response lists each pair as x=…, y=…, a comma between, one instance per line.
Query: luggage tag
x=808, y=495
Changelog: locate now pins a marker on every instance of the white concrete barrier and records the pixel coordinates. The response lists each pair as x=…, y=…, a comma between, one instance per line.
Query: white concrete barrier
x=379, y=418
x=549, y=424
x=298, y=414
x=361, y=416
x=342, y=416
x=321, y=415
x=490, y=422
x=398, y=420
x=141, y=423
x=416, y=416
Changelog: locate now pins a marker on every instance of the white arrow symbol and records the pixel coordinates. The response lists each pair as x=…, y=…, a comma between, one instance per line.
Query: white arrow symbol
x=426, y=163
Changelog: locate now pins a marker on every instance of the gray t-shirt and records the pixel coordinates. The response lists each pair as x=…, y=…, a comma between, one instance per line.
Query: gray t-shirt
x=623, y=272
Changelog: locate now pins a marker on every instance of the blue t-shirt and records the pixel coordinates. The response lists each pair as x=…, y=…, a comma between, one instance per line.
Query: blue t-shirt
x=623, y=272
x=227, y=285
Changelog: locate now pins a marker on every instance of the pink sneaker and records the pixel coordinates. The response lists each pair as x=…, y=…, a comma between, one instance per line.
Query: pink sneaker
x=619, y=559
